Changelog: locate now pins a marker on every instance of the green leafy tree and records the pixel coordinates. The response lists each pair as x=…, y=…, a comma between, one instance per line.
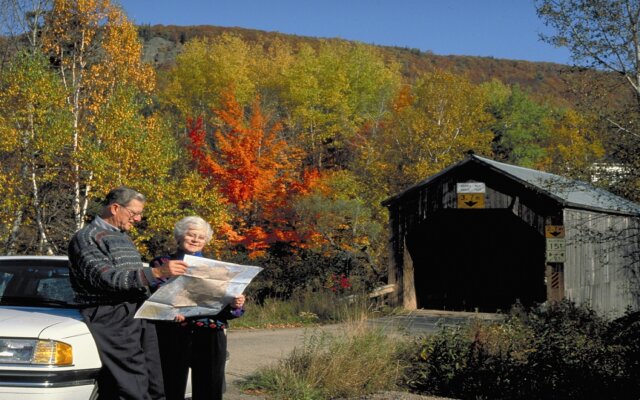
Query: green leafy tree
x=329, y=93
x=522, y=126
x=537, y=135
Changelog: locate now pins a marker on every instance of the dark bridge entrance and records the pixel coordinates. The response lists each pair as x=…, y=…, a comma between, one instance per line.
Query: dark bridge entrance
x=485, y=259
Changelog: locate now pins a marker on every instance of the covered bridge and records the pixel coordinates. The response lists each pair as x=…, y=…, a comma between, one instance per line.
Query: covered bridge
x=481, y=235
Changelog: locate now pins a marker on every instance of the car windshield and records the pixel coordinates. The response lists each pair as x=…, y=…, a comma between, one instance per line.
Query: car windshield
x=35, y=283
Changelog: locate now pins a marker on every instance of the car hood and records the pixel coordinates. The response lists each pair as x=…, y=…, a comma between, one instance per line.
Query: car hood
x=43, y=323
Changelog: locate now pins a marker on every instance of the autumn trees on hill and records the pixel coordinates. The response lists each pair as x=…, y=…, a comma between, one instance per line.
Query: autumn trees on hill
x=287, y=149
x=362, y=146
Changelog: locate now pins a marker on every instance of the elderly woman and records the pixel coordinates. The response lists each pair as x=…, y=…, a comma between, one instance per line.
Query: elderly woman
x=199, y=342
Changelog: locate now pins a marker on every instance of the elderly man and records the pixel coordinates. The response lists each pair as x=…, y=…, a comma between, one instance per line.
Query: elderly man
x=110, y=282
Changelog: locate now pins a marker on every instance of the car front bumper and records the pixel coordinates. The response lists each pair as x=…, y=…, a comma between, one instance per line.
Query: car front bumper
x=50, y=385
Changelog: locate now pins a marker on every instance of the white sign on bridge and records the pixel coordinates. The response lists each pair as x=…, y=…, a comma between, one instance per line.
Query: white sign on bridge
x=471, y=187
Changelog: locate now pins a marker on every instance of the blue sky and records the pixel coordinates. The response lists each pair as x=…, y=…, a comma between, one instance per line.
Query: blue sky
x=505, y=29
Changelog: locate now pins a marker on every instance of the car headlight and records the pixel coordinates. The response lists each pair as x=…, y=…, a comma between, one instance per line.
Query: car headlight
x=34, y=351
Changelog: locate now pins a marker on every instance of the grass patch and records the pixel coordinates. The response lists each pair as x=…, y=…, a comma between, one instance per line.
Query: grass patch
x=357, y=361
x=308, y=309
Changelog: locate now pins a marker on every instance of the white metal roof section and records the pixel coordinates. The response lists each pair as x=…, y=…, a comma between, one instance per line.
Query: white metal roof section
x=570, y=192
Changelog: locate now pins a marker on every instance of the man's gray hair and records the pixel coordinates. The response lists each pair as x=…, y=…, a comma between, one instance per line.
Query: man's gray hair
x=123, y=195
x=191, y=222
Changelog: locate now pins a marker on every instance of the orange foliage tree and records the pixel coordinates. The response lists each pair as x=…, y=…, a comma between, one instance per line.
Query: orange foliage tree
x=257, y=172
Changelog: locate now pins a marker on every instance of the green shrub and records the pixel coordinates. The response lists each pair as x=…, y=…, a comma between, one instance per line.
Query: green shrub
x=572, y=357
x=497, y=360
x=482, y=360
x=556, y=351
x=623, y=336
x=437, y=367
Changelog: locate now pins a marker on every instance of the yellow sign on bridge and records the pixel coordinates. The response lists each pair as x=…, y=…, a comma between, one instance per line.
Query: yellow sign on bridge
x=554, y=231
x=470, y=200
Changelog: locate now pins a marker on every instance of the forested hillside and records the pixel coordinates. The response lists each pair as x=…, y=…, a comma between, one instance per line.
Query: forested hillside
x=542, y=80
x=287, y=145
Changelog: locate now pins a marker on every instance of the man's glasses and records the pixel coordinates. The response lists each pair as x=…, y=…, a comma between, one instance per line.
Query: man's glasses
x=132, y=214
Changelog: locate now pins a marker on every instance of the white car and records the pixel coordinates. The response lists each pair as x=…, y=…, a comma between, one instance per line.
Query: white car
x=46, y=351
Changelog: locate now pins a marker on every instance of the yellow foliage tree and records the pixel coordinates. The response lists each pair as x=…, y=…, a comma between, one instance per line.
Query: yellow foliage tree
x=206, y=68
x=95, y=50
x=186, y=194
x=433, y=125
x=79, y=109
x=573, y=147
x=34, y=123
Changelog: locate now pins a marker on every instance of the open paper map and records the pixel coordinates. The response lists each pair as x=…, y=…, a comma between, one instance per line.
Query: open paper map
x=205, y=289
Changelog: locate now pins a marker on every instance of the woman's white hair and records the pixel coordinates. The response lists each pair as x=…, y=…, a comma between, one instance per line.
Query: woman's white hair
x=191, y=222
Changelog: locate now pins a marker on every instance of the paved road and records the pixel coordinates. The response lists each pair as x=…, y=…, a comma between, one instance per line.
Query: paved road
x=421, y=322
x=251, y=349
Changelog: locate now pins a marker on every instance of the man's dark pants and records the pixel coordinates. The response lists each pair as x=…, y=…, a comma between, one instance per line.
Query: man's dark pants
x=128, y=349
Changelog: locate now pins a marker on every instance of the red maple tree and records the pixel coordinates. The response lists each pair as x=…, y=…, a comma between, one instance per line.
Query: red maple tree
x=256, y=171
